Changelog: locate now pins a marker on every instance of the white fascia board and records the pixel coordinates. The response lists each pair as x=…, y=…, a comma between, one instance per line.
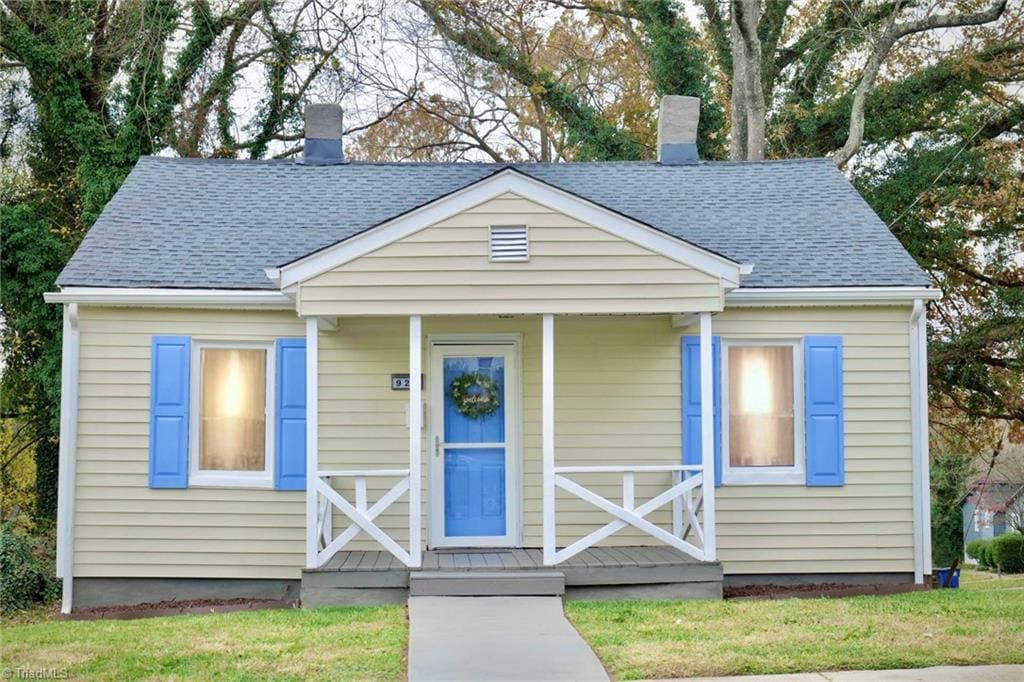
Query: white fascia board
x=509, y=180
x=173, y=298
x=754, y=297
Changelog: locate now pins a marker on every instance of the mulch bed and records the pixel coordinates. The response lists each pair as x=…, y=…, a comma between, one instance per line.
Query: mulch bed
x=814, y=590
x=177, y=608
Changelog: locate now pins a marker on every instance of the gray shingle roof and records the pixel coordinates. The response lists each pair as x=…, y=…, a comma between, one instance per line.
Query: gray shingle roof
x=205, y=223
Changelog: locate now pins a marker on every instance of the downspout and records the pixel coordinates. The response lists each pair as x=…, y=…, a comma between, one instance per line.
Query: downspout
x=919, y=441
x=67, y=454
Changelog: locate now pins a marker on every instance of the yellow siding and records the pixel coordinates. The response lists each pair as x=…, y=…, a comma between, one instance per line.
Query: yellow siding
x=445, y=269
x=617, y=401
x=125, y=529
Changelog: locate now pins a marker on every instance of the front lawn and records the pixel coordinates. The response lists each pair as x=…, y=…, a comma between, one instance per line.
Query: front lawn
x=329, y=643
x=981, y=623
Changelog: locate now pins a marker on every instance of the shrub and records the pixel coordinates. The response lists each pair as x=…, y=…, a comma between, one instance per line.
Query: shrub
x=974, y=549
x=950, y=471
x=26, y=577
x=985, y=554
x=1007, y=552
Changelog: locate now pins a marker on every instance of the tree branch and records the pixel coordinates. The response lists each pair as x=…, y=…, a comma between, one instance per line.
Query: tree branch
x=880, y=52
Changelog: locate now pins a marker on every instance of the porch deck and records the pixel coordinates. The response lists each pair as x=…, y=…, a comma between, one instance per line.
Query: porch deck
x=650, y=572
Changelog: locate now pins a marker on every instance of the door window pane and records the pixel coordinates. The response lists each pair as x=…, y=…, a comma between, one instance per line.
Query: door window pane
x=761, y=411
x=232, y=409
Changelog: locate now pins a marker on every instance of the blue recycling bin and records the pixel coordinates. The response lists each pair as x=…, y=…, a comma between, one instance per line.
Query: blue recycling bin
x=942, y=573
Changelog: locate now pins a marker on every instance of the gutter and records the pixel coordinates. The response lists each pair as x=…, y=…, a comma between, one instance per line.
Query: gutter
x=67, y=455
x=918, y=339
x=174, y=298
x=765, y=296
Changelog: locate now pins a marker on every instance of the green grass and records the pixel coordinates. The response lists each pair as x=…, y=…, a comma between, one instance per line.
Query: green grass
x=354, y=643
x=981, y=623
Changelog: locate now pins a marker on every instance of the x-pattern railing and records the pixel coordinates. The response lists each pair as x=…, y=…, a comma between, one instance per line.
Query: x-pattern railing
x=361, y=513
x=685, y=509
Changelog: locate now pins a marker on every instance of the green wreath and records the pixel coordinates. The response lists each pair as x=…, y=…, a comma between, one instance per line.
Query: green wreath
x=475, y=395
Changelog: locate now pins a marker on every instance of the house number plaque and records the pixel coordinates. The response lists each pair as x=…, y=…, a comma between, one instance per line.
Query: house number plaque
x=400, y=382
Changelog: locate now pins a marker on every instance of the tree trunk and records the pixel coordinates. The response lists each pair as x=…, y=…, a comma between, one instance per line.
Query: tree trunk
x=749, y=110
x=738, y=138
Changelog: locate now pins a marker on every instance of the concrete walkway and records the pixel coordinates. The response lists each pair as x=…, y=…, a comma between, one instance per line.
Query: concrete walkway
x=496, y=638
x=946, y=673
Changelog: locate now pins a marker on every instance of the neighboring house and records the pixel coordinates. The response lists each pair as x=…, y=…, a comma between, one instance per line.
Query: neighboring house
x=489, y=366
x=984, y=508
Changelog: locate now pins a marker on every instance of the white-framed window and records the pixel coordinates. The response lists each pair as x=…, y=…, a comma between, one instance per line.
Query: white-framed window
x=762, y=412
x=231, y=430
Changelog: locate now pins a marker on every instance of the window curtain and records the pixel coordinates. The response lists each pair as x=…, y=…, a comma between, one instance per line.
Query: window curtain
x=232, y=427
x=761, y=406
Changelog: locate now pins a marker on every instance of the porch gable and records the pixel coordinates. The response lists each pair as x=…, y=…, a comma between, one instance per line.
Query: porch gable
x=577, y=258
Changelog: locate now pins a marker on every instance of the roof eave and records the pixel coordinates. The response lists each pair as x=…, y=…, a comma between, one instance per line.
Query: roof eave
x=164, y=297
x=845, y=295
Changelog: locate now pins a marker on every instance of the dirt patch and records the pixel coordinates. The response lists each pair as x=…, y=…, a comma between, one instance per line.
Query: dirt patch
x=176, y=608
x=815, y=590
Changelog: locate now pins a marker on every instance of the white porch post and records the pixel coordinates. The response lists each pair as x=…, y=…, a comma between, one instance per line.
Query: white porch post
x=415, y=435
x=312, y=438
x=548, y=436
x=707, y=436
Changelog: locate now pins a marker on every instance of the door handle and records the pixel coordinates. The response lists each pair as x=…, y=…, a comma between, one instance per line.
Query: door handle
x=437, y=446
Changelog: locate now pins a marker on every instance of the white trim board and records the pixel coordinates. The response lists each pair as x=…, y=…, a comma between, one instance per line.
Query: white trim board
x=173, y=298
x=248, y=299
x=758, y=296
x=502, y=182
x=918, y=339
x=67, y=455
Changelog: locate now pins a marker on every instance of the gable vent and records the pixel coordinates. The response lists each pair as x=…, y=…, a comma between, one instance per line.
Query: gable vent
x=509, y=243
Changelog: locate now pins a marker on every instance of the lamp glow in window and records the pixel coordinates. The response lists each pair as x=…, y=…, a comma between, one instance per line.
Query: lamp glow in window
x=232, y=409
x=761, y=408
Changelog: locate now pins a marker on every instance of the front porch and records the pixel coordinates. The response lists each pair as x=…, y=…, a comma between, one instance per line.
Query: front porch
x=575, y=505
x=361, y=577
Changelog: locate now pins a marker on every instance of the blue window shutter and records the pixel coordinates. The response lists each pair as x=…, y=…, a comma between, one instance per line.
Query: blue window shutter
x=290, y=413
x=691, y=401
x=823, y=389
x=168, y=415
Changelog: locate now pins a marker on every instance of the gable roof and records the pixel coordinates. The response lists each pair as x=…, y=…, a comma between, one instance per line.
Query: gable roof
x=217, y=223
x=502, y=183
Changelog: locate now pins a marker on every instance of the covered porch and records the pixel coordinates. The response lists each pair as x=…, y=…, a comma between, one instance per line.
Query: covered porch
x=596, y=573
x=548, y=276
x=663, y=507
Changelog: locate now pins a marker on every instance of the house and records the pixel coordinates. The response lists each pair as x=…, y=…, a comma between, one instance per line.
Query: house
x=991, y=498
x=361, y=379
x=984, y=508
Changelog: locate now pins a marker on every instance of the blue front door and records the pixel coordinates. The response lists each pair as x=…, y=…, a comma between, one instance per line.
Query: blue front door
x=473, y=445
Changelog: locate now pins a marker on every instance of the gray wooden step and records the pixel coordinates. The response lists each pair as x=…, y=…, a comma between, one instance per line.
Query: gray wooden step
x=486, y=583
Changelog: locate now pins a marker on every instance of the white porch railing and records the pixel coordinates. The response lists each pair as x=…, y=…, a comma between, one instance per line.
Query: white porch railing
x=360, y=512
x=685, y=508
x=321, y=496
